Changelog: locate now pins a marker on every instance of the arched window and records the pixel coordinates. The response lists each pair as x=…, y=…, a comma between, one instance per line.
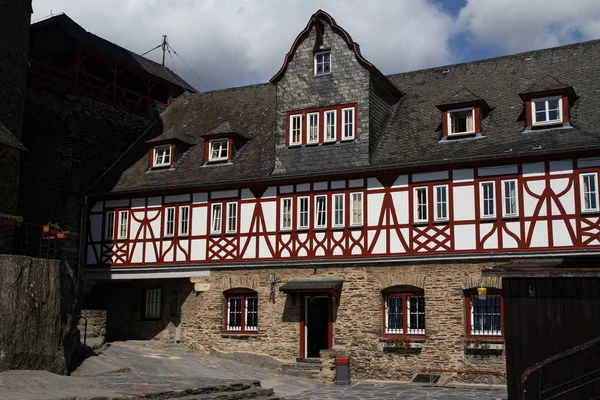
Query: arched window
x=403, y=311
x=241, y=310
x=484, y=314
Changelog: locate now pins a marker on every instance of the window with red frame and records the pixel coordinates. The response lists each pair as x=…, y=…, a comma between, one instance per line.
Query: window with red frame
x=484, y=316
x=322, y=125
x=403, y=311
x=241, y=311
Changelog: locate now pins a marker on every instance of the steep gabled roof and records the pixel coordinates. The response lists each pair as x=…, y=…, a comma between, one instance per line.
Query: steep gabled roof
x=545, y=85
x=227, y=127
x=8, y=139
x=113, y=50
x=317, y=19
x=411, y=138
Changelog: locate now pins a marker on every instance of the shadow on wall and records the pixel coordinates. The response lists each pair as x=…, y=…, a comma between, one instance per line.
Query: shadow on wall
x=291, y=310
x=142, y=309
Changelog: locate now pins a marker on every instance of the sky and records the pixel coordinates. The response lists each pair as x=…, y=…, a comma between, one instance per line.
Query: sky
x=227, y=43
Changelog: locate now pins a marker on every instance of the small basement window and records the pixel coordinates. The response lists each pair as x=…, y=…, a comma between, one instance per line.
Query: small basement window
x=162, y=156
x=219, y=150
x=322, y=63
x=547, y=111
x=461, y=121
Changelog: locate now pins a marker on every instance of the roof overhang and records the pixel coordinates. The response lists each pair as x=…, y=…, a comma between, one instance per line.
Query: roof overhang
x=328, y=285
x=565, y=268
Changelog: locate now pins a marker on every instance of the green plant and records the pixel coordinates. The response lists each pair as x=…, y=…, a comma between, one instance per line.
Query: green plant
x=11, y=217
x=54, y=227
x=399, y=342
x=477, y=344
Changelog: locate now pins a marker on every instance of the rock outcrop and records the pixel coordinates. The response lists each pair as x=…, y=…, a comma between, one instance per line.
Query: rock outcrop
x=38, y=308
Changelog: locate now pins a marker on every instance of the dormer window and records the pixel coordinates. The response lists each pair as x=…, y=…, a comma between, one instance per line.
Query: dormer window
x=162, y=156
x=322, y=63
x=461, y=122
x=219, y=150
x=462, y=114
x=547, y=110
x=322, y=125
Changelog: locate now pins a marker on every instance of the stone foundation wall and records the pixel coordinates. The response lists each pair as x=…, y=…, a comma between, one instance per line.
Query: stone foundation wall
x=96, y=321
x=357, y=320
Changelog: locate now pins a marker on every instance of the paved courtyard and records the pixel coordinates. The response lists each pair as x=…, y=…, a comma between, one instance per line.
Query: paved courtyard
x=138, y=368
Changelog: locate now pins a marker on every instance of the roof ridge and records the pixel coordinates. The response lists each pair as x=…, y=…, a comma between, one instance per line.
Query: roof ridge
x=483, y=60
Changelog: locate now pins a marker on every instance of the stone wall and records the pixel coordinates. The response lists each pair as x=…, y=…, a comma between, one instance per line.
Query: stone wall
x=37, y=310
x=15, y=16
x=357, y=320
x=71, y=142
x=96, y=321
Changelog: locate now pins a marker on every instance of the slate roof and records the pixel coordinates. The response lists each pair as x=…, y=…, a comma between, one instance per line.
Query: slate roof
x=412, y=135
x=251, y=109
x=113, y=50
x=8, y=139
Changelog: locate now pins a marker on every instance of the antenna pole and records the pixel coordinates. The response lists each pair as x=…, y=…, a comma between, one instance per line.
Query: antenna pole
x=164, y=48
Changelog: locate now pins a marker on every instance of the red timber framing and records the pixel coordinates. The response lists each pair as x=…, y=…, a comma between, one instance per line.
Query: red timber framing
x=548, y=202
x=78, y=80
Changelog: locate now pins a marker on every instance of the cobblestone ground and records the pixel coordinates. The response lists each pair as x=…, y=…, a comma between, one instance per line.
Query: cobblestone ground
x=141, y=367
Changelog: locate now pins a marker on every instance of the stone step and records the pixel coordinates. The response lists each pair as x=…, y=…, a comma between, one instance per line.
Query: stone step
x=247, y=394
x=309, y=360
x=301, y=366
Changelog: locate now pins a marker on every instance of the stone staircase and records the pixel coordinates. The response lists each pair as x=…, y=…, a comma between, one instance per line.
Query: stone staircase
x=235, y=391
x=306, y=367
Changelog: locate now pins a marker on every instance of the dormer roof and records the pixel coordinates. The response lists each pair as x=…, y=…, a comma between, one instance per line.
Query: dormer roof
x=463, y=97
x=546, y=85
x=317, y=20
x=225, y=128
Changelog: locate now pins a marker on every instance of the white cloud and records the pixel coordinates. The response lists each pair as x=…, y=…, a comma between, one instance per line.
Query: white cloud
x=236, y=42
x=519, y=25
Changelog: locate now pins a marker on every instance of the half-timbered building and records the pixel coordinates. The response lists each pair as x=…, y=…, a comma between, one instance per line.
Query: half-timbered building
x=337, y=207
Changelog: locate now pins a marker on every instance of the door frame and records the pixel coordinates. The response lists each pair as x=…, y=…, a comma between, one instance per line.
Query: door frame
x=303, y=318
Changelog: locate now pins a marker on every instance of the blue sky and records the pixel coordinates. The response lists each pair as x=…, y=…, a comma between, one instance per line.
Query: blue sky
x=237, y=42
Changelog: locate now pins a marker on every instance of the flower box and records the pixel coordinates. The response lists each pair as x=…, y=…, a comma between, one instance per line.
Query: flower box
x=10, y=219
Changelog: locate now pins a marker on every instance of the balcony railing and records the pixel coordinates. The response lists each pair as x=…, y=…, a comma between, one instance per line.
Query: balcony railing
x=29, y=240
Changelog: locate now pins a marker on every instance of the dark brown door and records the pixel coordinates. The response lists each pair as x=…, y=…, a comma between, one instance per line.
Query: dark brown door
x=317, y=325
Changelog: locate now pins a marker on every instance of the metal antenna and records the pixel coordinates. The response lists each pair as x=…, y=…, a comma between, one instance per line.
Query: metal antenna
x=164, y=48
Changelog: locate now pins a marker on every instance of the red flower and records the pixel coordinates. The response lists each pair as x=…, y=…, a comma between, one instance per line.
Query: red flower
x=405, y=347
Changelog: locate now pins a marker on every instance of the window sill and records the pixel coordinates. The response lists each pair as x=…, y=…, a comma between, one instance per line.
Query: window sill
x=321, y=75
x=329, y=142
x=301, y=229
x=320, y=229
x=547, y=127
x=284, y=231
x=311, y=144
x=214, y=234
x=590, y=212
x=347, y=140
x=338, y=228
x=461, y=135
x=419, y=339
x=510, y=217
x=241, y=335
x=160, y=167
x=356, y=226
x=487, y=219
x=420, y=223
x=295, y=145
x=441, y=222
x=230, y=233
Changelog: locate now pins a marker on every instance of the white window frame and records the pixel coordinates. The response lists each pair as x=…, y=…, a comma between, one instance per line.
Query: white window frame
x=184, y=221
x=309, y=128
x=316, y=62
x=213, y=220
x=450, y=126
x=483, y=332
x=328, y=125
x=361, y=208
x=409, y=312
x=123, y=224
x=547, y=109
x=220, y=157
x=505, y=211
x=352, y=123
x=153, y=306
x=109, y=225
x=323, y=212
x=232, y=217
x=300, y=212
x=292, y=130
x=416, y=206
x=482, y=199
x=437, y=201
x=387, y=329
x=166, y=155
x=594, y=175
x=336, y=210
x=291, y=213
x=247, y=312
x=169, y=222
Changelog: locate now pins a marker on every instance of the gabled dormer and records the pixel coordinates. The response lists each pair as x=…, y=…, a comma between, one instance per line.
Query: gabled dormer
x=165, y=149
x=547, y=104
x=462, y=114
x=221, y=143
x=331, y=102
